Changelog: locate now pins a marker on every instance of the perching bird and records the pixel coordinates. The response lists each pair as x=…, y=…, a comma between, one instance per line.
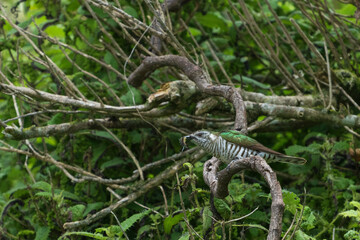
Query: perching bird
x=230, y=145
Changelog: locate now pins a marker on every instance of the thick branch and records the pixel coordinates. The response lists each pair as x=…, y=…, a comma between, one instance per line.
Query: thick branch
x=133, y=123
x=55, y=98
x=194, y=73
x=129, y=123
x=299, y=100
x=301, y=113
x=218, y=183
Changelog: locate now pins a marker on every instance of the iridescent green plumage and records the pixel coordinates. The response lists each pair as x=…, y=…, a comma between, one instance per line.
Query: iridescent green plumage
x=232, y=144
x=238, y=138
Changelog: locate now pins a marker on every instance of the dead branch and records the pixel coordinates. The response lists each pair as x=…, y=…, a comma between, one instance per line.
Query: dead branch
x=65, y=100
x=218, y=183
x=196, y=74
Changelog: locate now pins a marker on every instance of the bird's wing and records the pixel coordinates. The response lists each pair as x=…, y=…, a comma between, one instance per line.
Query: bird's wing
x=240, y=139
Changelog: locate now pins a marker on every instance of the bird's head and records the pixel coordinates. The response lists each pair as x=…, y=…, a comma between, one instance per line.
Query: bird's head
x=198, y=137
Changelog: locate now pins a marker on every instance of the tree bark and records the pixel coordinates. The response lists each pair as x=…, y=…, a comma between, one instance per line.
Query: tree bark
x=218, y=183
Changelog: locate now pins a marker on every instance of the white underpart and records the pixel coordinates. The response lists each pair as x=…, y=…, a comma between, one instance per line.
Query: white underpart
x=228, y=151
x=213, y=137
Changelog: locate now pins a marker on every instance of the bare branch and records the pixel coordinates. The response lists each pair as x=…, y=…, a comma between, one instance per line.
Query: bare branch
x=88, y=104
x=218, y=183
x=194, y=73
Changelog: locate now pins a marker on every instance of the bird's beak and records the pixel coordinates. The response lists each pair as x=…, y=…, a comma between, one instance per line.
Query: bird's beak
x=183, y=142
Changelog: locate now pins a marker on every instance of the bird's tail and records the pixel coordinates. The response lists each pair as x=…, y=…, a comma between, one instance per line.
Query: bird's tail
x=290, y=159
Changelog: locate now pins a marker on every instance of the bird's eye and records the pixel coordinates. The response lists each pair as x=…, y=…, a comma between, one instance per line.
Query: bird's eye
x=201, y=134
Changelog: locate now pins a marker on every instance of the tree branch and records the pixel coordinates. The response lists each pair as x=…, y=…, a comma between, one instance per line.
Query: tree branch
x=218, y=183
x=196, y=74
x=65, y=100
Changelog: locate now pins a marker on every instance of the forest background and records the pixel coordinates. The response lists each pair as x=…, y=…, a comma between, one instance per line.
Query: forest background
x=96, y=94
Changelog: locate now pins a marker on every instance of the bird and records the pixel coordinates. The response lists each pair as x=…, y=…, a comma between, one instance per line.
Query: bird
x=232, y=145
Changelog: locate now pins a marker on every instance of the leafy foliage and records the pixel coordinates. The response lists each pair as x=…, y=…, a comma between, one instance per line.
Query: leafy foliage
x=322, y=197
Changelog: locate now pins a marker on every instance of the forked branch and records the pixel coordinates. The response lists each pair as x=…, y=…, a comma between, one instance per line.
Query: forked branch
x=195, y=74
x=218, y=183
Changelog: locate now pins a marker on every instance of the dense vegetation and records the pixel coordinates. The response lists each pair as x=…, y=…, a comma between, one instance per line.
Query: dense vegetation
x=88, y=154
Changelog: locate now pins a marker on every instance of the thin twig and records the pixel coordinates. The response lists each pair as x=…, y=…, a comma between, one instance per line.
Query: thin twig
x=245, y=216
x=291, y=225
x=118, y=222
x=132, y=156
x=352, y=131
x=166, y=209
x=329, y=75
x=182, y=204
x=300, y=217
x=28, y=170
x=143, y=206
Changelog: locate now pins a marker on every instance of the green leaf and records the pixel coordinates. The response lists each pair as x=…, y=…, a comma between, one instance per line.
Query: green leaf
x=308, y=219
x=114, y=162
x=355, y=204
x=251, y=81
x=22, y=25
x=222, y=207
x=291, y=200
x=67, y=194
x=352, y=235
x=47, y=195
x=342, y=183
x=25, y=234
x=185, y=236
x=313, y=148
x=42, y=186
x=300, y=235
x=91, y=207
x=206, y=218
x=142, y=230
x=113, y=230
x=103, y=134
x=172, y=220
x=133, y=219
x=347, y=9
x=85, y=234
x=295, y=149
x=131, y=11
x=110, y=59
x=351, y=213
x=340, y=146
x=212, y=21
x=131, y=97
x=55, y=31
x=76, y=211
x=194, y=31
x=42, y=233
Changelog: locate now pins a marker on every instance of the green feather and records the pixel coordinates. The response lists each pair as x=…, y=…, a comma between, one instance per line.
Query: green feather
x=240, y=139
